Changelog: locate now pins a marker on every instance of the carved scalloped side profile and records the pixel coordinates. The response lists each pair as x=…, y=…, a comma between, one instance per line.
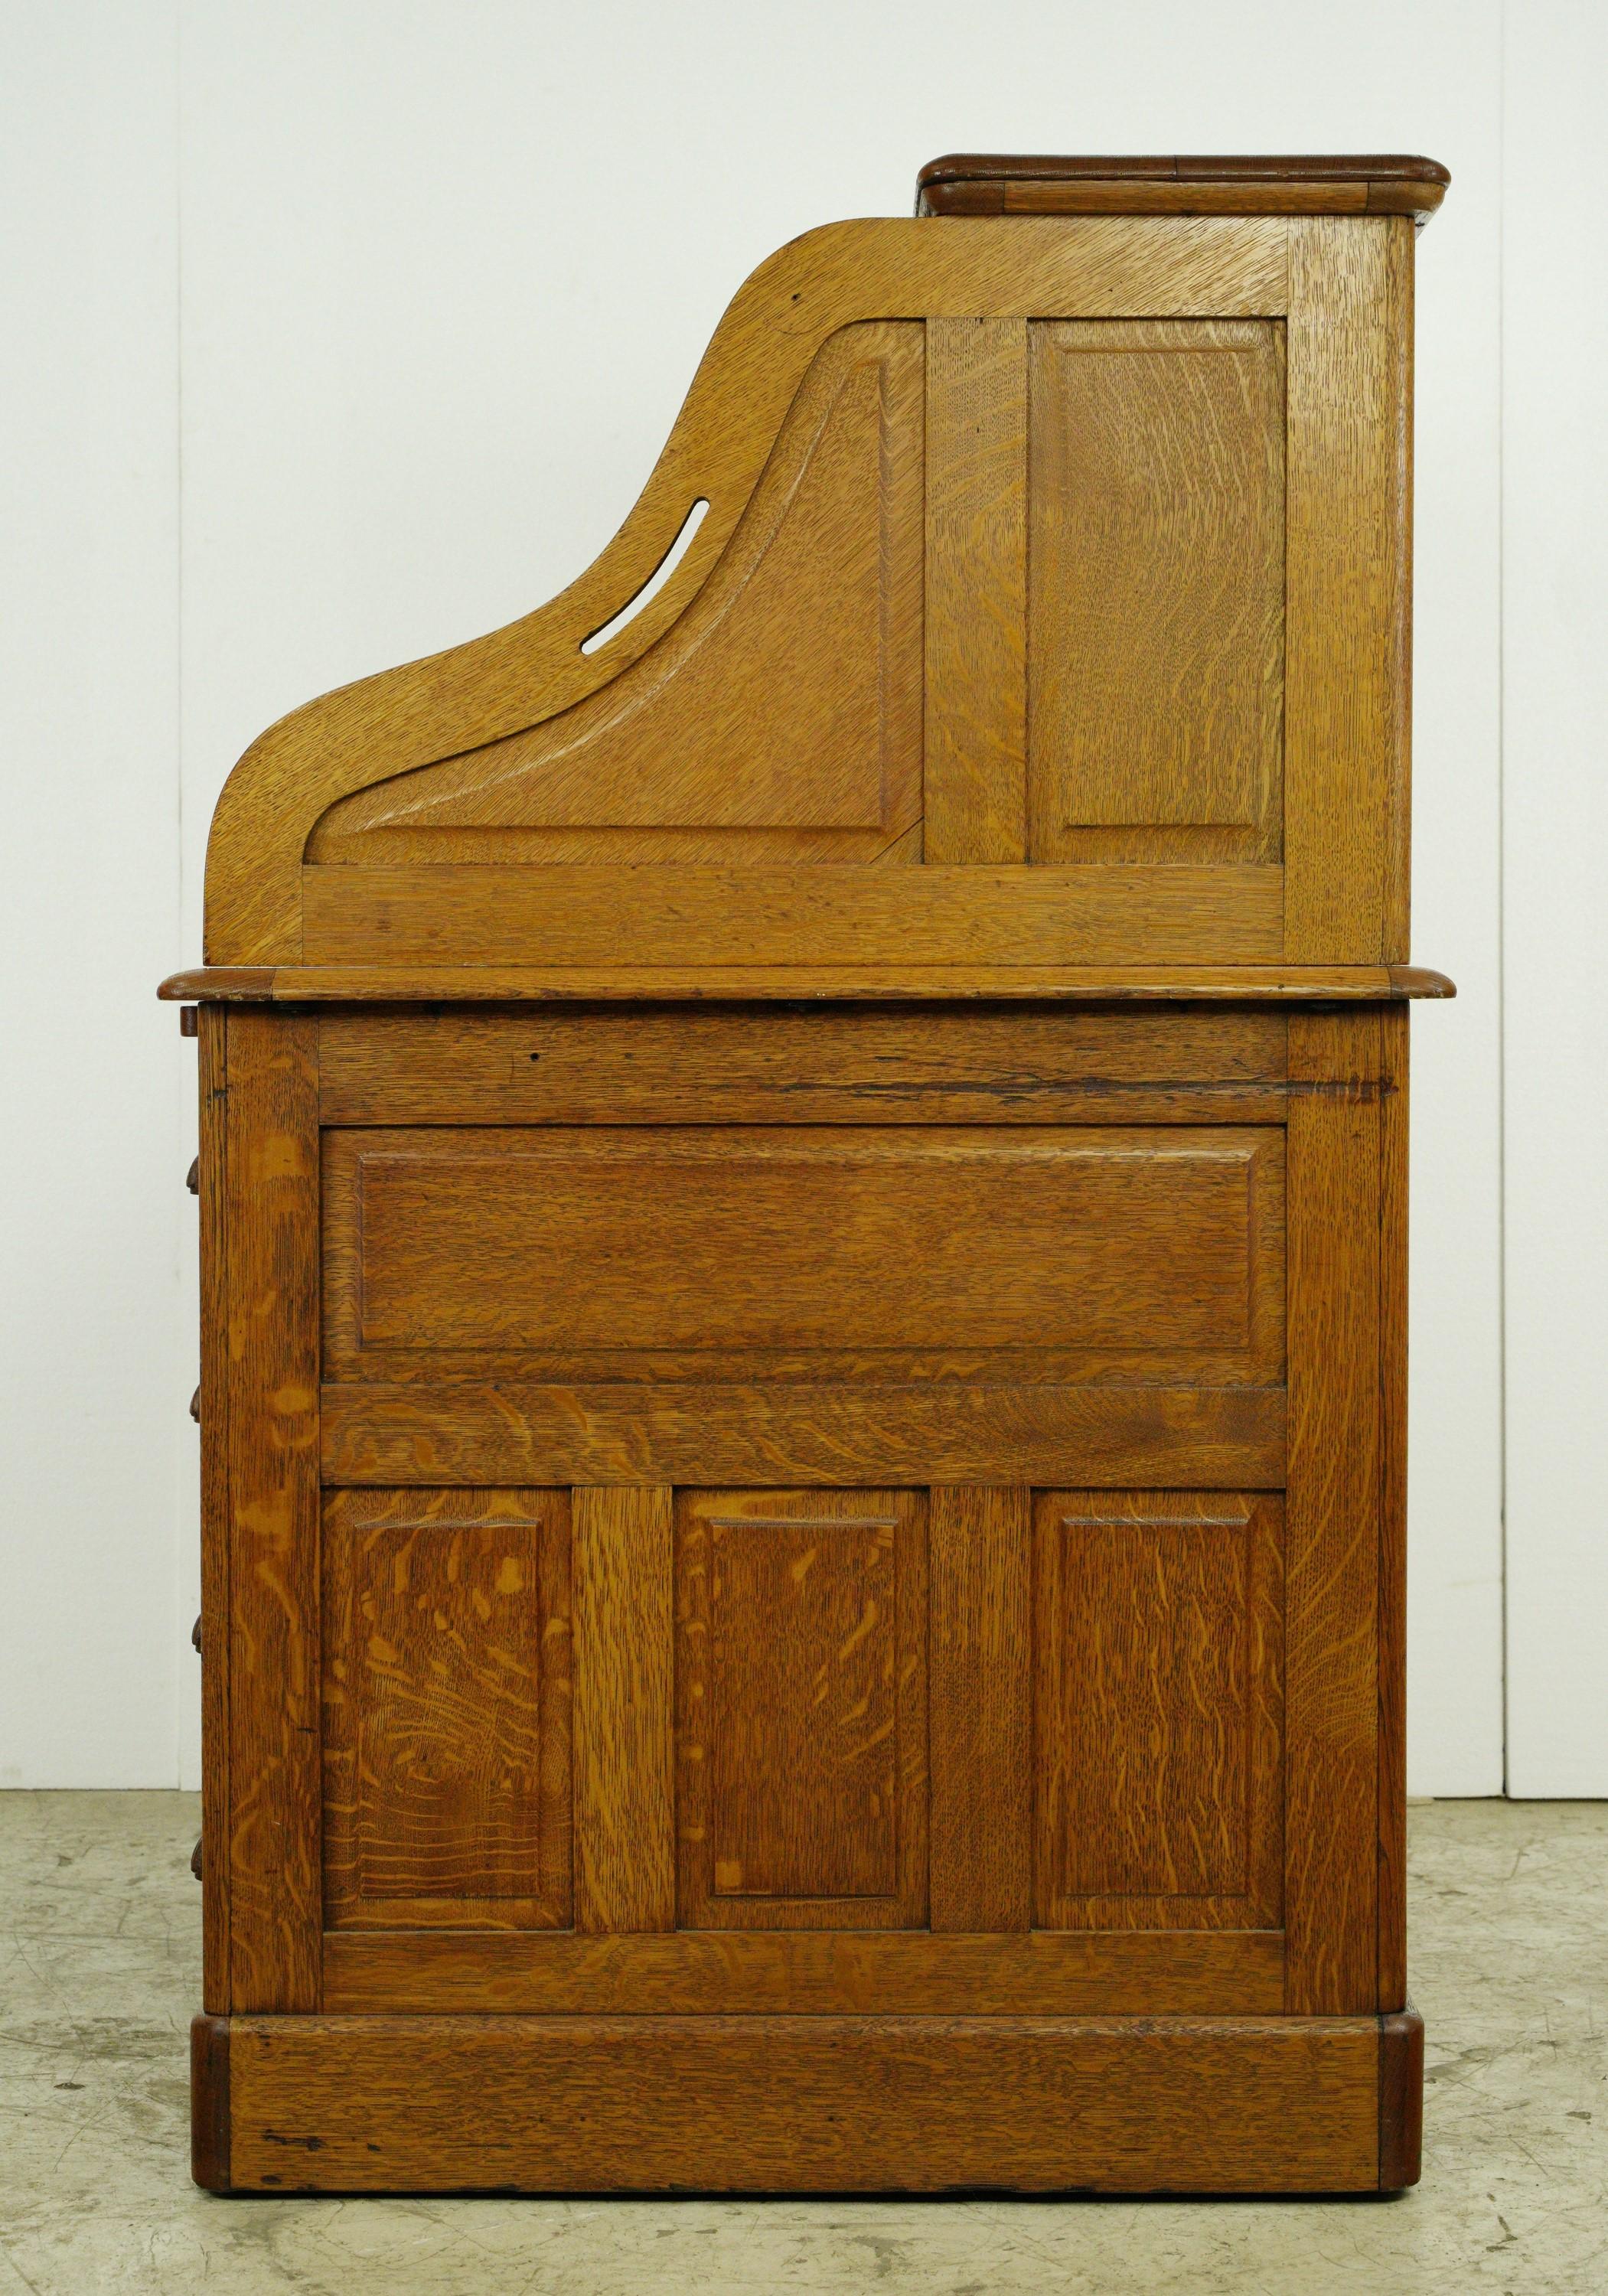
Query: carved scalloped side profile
x=501, y=687
x=780, y=718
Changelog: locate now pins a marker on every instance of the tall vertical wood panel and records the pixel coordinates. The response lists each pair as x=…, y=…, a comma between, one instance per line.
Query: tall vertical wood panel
x=1158, y=1643
x=1331, y=1749
x=1392, y=1507
x=981, y=1728
x=1350, y=590
x=212, y=1183
x=803, y=1723
x=275, y=1904
x=1155, y=642
x=976, y=597
x=446, y=1709
x=625, y=1843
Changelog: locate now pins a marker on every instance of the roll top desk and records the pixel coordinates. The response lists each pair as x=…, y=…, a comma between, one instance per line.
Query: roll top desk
x=803, y=1212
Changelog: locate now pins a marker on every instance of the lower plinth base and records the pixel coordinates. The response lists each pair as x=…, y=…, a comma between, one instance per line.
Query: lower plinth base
x=774, y=2103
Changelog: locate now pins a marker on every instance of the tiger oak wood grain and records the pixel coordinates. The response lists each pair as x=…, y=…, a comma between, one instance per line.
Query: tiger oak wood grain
x=623, y=1609
x=1156, y=617
x=1159, y=1633
x=510, y=1430
x=802, y=1708
x=211, y=1170
x=272, y=1364
x=1333, y=1523
x=446, y=1786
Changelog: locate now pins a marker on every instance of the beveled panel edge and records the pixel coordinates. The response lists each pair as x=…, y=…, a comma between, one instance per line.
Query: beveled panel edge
x=474, y=984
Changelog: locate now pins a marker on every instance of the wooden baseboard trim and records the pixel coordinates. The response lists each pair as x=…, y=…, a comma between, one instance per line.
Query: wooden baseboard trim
x=210, y=2102
x=789, y=2103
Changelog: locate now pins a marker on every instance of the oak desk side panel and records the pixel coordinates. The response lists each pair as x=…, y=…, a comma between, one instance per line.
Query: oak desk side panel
x=272, y=1342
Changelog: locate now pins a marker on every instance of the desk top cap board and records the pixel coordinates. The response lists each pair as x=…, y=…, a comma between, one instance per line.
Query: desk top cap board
x=993, y=624
x=981, y=182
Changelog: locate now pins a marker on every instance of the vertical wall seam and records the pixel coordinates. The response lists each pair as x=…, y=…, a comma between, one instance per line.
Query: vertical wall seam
x=1502, y=20
x=188, y=1322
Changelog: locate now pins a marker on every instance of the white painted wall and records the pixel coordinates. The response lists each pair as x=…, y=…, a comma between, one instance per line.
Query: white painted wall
x=433, y=281
x=1555, y=901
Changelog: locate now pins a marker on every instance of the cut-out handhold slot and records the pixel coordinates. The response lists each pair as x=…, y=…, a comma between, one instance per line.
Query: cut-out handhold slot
x=655, y=582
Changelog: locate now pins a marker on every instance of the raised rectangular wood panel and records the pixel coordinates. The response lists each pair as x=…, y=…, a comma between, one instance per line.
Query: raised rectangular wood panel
x=1156, y=589
x=645, y=1249
x=813, y=2104
x=446, y=1709
x=801, y=1715
x=1159, y=1634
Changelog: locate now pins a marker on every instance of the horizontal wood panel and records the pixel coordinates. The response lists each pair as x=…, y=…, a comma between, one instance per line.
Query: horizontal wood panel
x=693, y=1239
x=823, y=914
x=809, y=1971
x=939, y=1430
x=806, y=2104
x=859, y=1065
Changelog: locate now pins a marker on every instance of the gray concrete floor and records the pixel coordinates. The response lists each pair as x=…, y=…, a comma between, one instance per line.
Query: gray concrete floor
x=100, y=1954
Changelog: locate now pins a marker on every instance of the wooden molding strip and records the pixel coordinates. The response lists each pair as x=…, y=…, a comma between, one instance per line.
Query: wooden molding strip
x=497, y=984
x=983, y=183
